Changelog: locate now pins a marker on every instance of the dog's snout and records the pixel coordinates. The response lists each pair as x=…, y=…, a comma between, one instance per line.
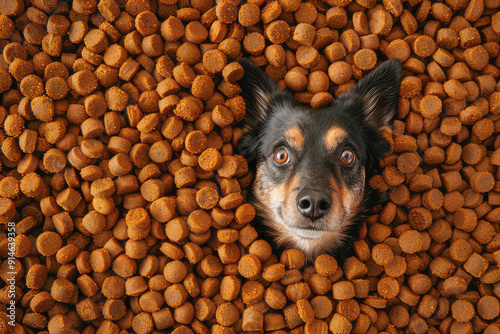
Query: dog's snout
x=313, y=204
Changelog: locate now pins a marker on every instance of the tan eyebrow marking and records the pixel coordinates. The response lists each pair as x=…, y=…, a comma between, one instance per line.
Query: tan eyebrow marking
x=295, y=137
x=333, y=136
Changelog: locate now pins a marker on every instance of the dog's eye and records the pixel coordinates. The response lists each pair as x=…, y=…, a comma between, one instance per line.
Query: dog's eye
x=281, y=156
x=347, y=157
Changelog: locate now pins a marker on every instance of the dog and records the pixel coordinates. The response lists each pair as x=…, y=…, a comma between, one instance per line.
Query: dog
x=312, y=167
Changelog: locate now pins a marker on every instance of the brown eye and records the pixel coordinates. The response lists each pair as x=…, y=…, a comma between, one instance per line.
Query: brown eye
x=347, y=157
x=281, y=156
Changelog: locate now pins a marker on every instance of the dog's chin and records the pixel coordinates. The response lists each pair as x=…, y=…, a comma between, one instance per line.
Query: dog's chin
x=307, y=233
x=312, y=242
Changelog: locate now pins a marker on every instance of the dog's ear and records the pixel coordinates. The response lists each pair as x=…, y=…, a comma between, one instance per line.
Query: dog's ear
x=259, y=91
x=260, y=94
x=374, y=99
x=378, y=93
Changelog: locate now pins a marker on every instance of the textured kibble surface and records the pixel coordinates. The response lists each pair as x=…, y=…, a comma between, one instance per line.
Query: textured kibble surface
x=123, y=197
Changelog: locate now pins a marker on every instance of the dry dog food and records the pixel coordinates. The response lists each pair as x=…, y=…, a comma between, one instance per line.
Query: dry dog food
x=121, y=177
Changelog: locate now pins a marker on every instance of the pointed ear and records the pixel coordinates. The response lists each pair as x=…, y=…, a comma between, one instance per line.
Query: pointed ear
x=260, y=93
x=378, y=93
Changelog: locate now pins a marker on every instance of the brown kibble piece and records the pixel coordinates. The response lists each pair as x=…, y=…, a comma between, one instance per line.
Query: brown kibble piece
x=62, y=290
x=277, y=32
x=187, y=109
x=304, y=34
x=203, y=87
x=340, y=324
x=43, y=108
x=54, y=160
x=273, y=272
x=465, y=219
x=382, y=254
x=249, y=266
x=410, y=241
x=293, y=258
x=31, y=86
x=9, y=187
x=488, y=307
x=424, y=46
x=340, y=72
x=462, y=310
x=325, y=265
x=343, y=290
x=249, y=14
x=195, y=142
x=482, y=182
x=476, y=265
x=408, y=162
x=306, y=312
x=232, y=72
x=398, y=49
x=365, y=59
x=227, y=314
x=214, y=61
x=381, y=22
x=430, y=106
x=95, y=40
x=172, y=29
x=254, y=43
x=48, y=243
x=388, y=287
x=307, y=56
x=146, y=23
x=84, y=82
x=100, y=260
x=207, y=198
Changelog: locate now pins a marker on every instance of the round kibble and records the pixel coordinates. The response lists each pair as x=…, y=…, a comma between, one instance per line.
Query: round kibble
x=325, y=265
x=307, y=56
x=227, y=314
x=462, y=310
x=48, y=243
x=382, y=254
x=249, y=266
x=274, y=272
x=175, y=271
x=365, y=59
x=54, y=160
x=84, y=82
x=388, y=287
x=430, y=106
x=488, y=307
x=62, y=290
x=410, y=241
x=482, y=182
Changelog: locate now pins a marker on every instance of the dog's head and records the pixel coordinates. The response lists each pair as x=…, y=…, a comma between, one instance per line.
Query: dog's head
x=312, y=165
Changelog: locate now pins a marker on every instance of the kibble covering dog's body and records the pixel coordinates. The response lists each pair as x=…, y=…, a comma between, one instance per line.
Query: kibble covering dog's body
x=312, y=166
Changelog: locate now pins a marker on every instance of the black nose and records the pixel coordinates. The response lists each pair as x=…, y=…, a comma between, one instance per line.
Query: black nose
x=313, y=204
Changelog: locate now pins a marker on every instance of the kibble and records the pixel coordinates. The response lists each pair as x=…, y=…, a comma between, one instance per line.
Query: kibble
x=325, y=265
x=488, y=307
x=365, y=59
x=476, y=265
x=410, y=241
x=120, y=166
x=462, y=310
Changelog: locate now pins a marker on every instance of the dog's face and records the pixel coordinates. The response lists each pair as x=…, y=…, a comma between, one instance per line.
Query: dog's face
x=312, y=165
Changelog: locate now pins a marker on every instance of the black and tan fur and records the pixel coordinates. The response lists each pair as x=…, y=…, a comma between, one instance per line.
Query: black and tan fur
x=314, y=201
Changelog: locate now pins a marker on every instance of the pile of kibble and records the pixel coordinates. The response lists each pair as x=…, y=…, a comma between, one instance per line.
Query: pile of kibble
x=123, y=187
